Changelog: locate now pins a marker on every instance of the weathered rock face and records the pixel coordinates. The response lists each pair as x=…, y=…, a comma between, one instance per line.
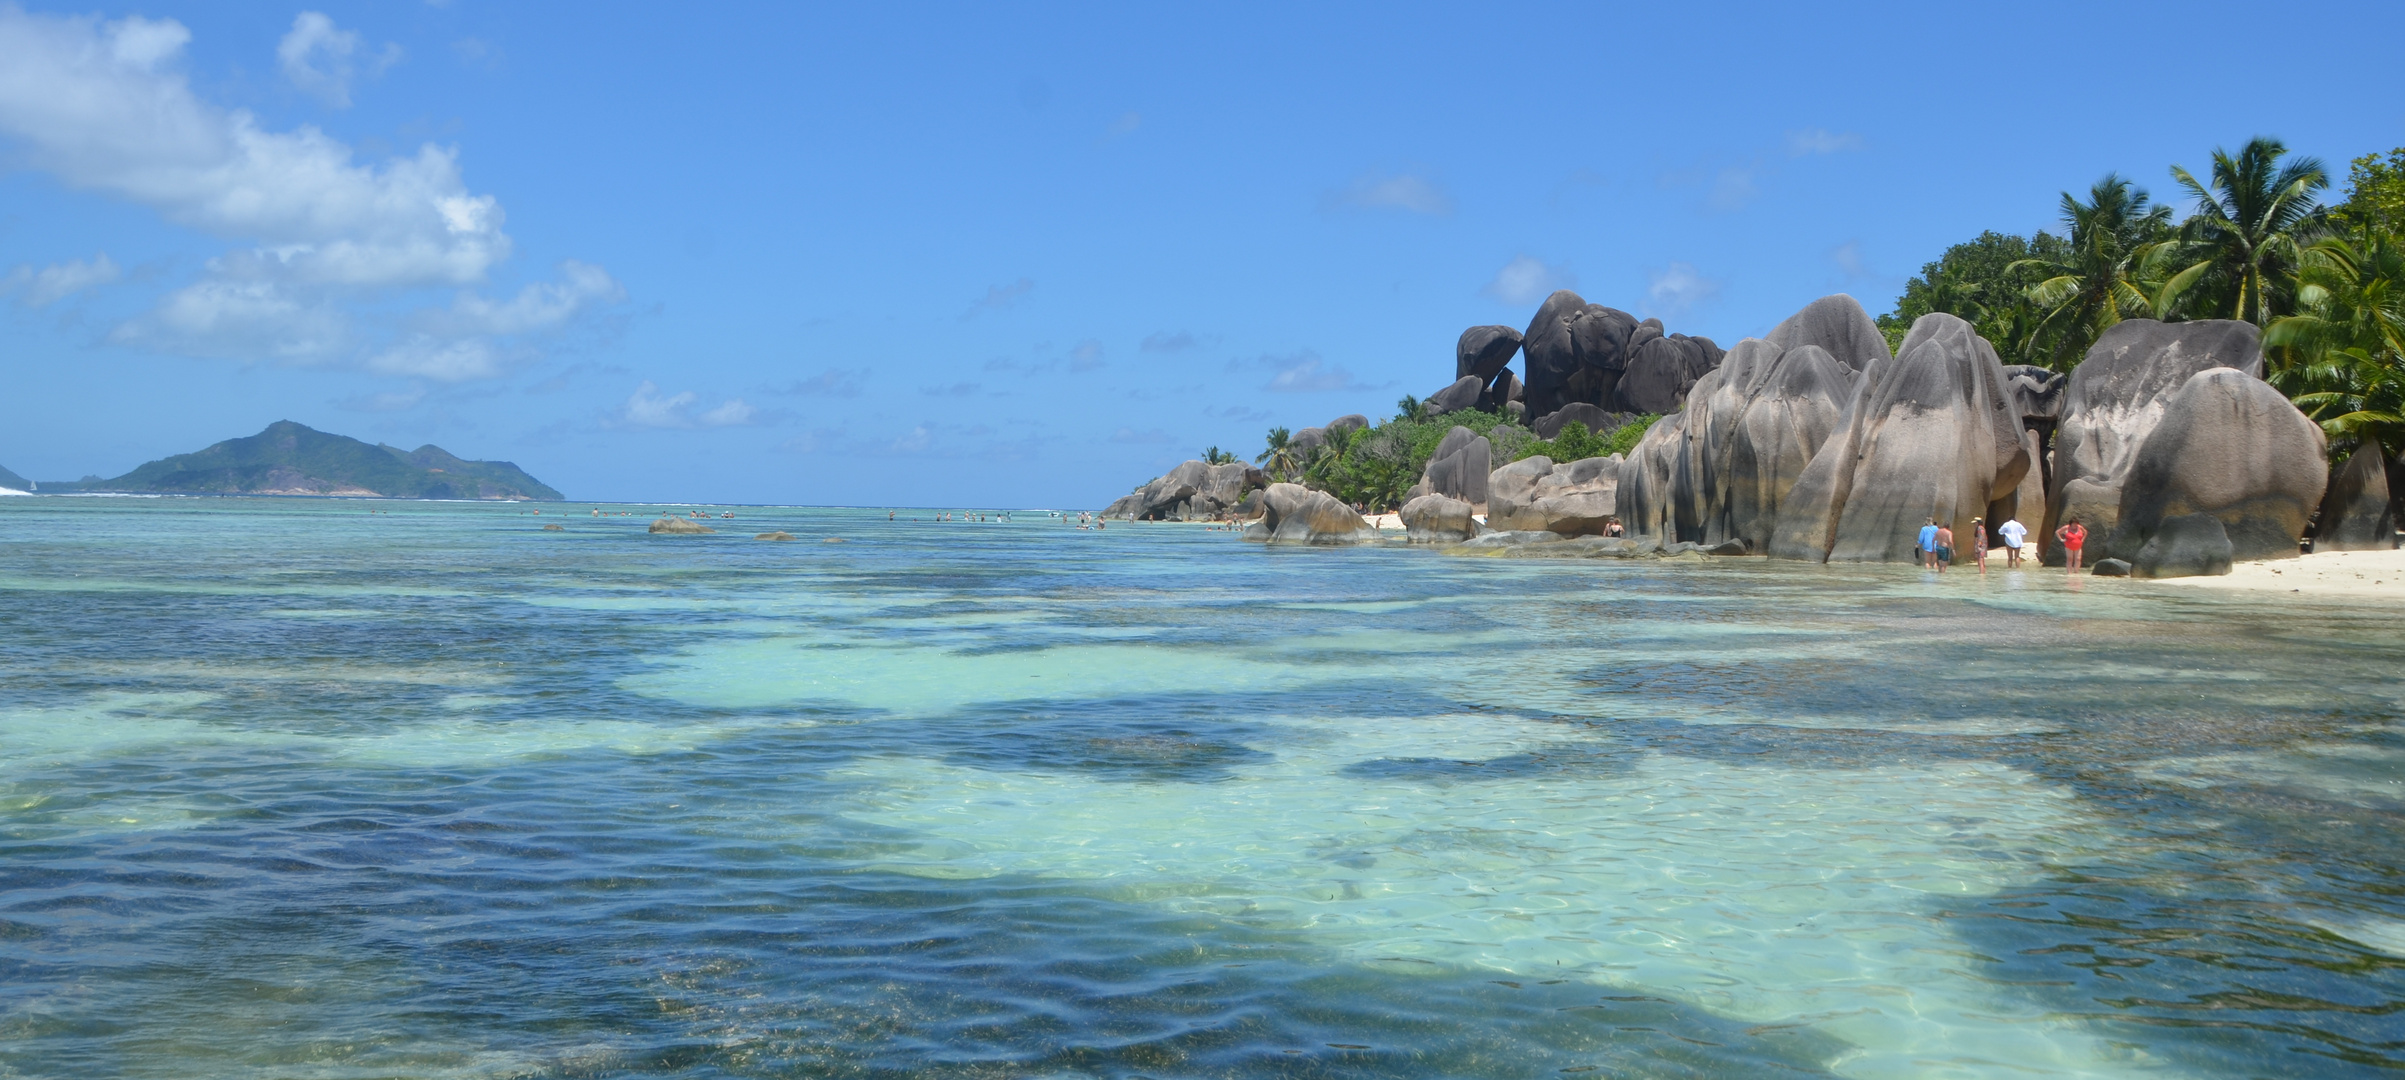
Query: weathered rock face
x=2190, y=545
x=1459, y=467
x=1597, y=419
x=1349, y=422
x=1661, y=370
x=1463, y=394
x=1929, y=434
x=1294, y=514
x=2230, y=447
x=1575, y=351
x=1504, y=391
x=2037, y=393
x=2357, y=513
x=2114, y=399
x=675, y=526
x=1576, y=499
x=1435, y=519
x=1191, y=492
x=1483, y=351
x=779, y=534
x=1790, y=406
x=1644, y=498
x=1836, y=324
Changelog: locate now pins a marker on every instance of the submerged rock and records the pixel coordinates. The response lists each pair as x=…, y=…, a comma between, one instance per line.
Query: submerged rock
x=1294, y=514
x=1436, y=519
x=2230, y=447
x=780, y=534
x=2110, y=568
x=675, y=526
x=555, y=528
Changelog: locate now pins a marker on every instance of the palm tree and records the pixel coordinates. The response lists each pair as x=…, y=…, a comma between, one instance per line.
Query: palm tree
x=1280, y=460
x=2243, y=236
x=2096, y=282
x=1411, y=408
x=1213, y=455
x=2343, y=353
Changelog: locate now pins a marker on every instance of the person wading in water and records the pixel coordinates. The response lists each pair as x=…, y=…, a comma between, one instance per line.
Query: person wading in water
x=2074, y=536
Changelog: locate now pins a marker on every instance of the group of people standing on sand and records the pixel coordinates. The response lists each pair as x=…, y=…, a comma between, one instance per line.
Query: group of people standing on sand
x=1936, y=543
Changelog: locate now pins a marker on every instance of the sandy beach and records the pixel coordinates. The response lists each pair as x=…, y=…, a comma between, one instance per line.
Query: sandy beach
x=2377, y=575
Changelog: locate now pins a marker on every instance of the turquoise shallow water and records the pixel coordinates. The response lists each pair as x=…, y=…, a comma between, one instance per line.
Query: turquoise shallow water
x=291, y=789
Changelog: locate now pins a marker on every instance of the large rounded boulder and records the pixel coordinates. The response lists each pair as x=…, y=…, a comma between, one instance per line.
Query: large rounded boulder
x=2230, y=447
x=1435, y=519
x=1838, y=325
x=1930, y=434
x=1791, y=405
x=1598, y=419
x=1463, y=395
x=1661, y=370
x=2357, y=513
x=1575, y=351
x=2112, y=401
x=1483, y=351
x=1294, y=514
x=1460, y=466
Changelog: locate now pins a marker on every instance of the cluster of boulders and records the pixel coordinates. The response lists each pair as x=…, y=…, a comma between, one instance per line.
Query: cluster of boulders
x=1194, y=491
x=1599, y=363
x=1815, y=443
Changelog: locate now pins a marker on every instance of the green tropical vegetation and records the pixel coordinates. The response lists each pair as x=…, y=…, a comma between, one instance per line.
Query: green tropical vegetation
x=1377, y=466
x=2325, y=282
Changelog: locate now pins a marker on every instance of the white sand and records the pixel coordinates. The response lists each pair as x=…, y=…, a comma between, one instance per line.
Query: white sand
x=2378, y=575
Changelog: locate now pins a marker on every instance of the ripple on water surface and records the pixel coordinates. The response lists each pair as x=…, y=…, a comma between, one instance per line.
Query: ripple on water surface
x=295, y=790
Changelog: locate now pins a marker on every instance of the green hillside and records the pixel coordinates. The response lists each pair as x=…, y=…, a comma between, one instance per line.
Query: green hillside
x=11, y=480
x=292, y=459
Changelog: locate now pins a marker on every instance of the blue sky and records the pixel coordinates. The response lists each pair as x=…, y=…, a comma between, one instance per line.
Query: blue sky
x=990, y=256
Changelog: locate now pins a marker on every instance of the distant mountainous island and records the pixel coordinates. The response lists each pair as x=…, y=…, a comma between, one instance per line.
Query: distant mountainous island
x=14, y=482
x=294, y=459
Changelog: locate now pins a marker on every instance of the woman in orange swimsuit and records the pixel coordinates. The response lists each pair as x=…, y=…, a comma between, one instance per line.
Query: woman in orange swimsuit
x=2073, y=535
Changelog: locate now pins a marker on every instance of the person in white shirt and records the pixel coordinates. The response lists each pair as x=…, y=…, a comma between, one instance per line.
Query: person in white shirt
x=2012, y=532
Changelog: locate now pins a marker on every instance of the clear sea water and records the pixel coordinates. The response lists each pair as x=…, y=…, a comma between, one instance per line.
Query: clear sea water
x=290, y=789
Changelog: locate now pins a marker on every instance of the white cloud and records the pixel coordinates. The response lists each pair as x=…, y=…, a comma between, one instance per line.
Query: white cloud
x=1164, y=342
x=1678, y=288
x=1405, y=192
x=998, y=297
x=1733, y=188
x=56, y=282
x=434, y=358
x=537, y=307
x=1146, y=437
x=1821, y=141
x=1524, y=281
x=648, y=408
x=833, y=382
x=1848, y=257
x=1086, y=356
x=733, y=412
x=104, y=107
x=1306, y=373
x=319, y=59
x=243, y=320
